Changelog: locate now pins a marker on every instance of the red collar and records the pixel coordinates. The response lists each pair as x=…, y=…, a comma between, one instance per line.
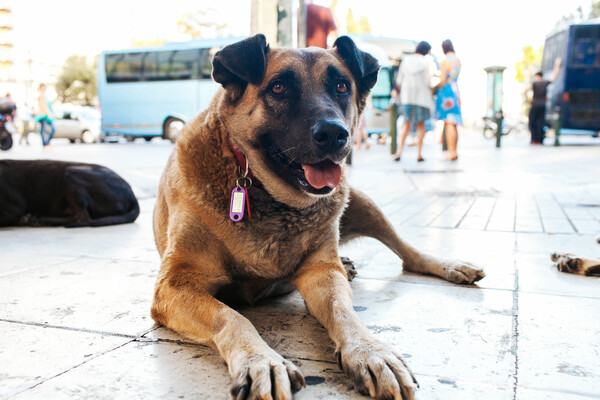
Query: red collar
x=241, y=160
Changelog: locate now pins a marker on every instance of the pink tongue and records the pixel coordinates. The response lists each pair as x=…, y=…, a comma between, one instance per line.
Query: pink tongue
x=325, y=173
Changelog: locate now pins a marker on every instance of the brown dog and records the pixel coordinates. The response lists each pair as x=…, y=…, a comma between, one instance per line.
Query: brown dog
x=290, y=116
x=565, y=262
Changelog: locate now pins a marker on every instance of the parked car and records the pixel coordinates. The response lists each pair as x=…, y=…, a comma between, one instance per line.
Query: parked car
x=78, y=123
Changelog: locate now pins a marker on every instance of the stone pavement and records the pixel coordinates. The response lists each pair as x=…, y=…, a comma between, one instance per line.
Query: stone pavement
x=74, y=303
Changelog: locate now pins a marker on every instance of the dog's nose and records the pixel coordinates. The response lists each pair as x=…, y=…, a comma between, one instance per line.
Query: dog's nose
x=330, y=135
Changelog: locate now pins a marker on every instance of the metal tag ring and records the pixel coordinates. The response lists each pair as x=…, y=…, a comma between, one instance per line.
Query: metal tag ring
x=244, y=182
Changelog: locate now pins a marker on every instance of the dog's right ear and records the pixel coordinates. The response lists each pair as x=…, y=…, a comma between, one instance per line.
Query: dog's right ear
x=241, y=63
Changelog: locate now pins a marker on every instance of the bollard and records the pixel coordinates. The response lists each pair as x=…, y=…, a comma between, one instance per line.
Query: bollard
x=393, y=125
x=499, y=118
x=556, y=125
x=444, y=142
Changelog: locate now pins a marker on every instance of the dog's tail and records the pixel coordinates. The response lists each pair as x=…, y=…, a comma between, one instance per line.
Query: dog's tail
x=126, y=218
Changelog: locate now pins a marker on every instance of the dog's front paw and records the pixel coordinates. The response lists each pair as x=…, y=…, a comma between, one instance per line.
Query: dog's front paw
x=264, y=375
x=377, y=370
x=462, y=272
x=566, y=262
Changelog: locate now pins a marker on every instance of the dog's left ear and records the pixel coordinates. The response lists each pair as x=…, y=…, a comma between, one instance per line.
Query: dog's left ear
x=241, y=63
x=364, y=67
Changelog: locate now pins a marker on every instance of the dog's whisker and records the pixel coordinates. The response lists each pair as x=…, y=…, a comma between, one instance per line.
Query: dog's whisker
x=285, y=151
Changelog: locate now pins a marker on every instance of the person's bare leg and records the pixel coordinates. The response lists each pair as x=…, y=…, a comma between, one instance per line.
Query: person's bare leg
x=451, y=140
x=420, y=135
x=405, y=129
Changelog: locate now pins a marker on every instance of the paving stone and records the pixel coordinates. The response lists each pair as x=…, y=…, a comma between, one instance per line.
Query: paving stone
x=103, y=295
x=31, y=354
x=537, y=274
x=558, y=344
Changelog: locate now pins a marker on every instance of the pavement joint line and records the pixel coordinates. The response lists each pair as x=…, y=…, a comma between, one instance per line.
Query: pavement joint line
x=188, y=343
x=88, y=359
x=515, y=328
x=51, y=264
x=70, y=328
x=537, y=206
x=487, y=223
x=473, y=200
x=412, y=182
x=514, y=229
x=565, y=213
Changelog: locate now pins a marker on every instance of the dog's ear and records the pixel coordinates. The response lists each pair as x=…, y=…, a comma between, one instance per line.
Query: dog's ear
x=363, y=66
x=241, y=63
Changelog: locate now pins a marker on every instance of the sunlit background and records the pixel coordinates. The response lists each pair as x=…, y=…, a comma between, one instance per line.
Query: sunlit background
x=39, y=35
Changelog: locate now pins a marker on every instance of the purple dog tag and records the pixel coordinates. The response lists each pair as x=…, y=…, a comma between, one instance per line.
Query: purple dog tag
x=238, y=203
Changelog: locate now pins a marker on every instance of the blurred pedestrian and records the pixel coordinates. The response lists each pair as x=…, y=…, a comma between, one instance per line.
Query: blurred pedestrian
x=413, y=85
x=25, y=114
x=44, y=115
x=537, y=112
x=447, y=104
x=362, y=135
x=320, y=26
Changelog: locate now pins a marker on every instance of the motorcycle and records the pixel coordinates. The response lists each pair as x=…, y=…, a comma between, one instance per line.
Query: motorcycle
x=7, y=115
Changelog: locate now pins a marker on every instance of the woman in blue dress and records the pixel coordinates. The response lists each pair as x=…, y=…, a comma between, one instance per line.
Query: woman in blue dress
x=447, y=105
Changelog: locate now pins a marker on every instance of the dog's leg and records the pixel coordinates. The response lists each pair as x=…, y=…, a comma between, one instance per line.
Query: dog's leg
x=362, y=217
x=575, y=265
x=184, y=302
x=377, y=369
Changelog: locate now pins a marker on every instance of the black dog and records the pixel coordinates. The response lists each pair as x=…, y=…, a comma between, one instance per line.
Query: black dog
x=59, y=193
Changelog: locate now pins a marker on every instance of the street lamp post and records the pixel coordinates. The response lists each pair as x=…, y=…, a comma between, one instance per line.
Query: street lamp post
x=494, y=98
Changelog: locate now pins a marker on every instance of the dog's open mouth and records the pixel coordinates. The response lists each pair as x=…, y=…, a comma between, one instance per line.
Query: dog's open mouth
x=322, y=174
x=316, y=178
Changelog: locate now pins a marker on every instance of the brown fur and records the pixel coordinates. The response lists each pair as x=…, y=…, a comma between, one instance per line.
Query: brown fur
x=294, y=234
x=576, y=265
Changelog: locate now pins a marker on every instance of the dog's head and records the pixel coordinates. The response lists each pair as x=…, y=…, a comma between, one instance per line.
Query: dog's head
x=293, y=112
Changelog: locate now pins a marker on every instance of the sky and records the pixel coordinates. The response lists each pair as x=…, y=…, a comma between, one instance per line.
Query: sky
x=484, y=33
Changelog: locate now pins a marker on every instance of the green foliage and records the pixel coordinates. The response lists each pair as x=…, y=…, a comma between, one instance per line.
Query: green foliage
x=530, y=64
x=360, y=26
x=77, y=81
x=595, y=11
x=579, y=15
x=204, y=23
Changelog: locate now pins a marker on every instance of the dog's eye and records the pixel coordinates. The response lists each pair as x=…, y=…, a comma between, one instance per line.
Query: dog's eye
x=341, y=87
x=278, y=88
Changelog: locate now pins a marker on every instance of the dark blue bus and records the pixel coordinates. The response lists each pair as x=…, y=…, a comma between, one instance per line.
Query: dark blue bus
x=575, y=93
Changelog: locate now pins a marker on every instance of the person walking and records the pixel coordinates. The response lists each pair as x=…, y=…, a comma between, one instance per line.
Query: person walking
x=44, y=115
x=447, y=105
x=537, y=112
x=413, y=85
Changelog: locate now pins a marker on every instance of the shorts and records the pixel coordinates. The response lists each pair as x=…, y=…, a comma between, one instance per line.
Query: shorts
x=414, y=114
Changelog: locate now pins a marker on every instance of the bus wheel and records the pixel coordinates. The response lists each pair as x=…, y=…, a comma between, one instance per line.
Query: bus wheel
x=172, y=129
x=148, y=138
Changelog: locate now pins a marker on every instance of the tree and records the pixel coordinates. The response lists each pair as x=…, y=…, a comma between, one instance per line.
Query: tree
x=530, y=64
x=579, y=15
x=360, y=26
x=204, y=23
x=77, y=81
x=595, y=10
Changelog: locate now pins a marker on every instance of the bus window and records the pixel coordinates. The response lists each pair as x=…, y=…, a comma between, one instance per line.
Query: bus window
x=586, y=47
x=182, y=63
x=381, y=90
x=206, y=62
x=124, y=67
